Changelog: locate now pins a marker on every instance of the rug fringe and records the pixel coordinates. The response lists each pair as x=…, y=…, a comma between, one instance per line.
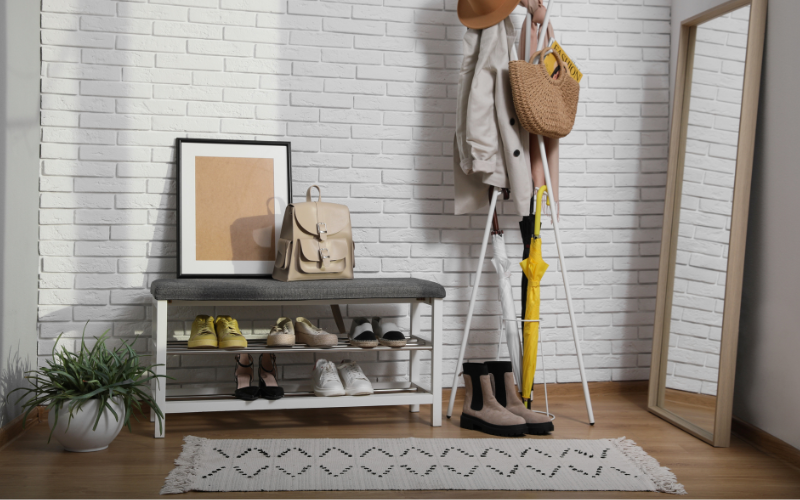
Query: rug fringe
x=181, y=478
x=663, y=477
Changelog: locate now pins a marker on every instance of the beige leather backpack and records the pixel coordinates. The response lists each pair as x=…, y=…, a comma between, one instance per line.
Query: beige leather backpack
x=316, y=242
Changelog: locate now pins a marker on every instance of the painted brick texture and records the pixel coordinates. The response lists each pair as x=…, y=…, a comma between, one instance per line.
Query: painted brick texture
x=365, y=91
x=706, y=203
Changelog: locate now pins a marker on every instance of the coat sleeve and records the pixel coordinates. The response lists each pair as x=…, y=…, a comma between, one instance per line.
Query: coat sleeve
x=481, y=129
x=465, y=76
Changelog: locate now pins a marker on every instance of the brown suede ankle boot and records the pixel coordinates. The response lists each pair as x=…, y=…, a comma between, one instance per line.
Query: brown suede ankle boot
x=506, y=394
x=481, y=411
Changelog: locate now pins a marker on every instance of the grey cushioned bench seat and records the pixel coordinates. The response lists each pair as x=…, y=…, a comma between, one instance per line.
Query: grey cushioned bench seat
x=268, y=289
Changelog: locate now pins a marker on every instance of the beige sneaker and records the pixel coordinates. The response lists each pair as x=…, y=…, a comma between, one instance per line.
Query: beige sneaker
x=228, y=333
x=313, y=336
x=282, y=333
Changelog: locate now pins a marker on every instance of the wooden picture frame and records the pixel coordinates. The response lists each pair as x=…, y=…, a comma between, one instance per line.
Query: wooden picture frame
x=720, y=436
x=231, y=196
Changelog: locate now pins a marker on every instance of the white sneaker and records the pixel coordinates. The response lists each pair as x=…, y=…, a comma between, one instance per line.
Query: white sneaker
x=361, y=334
x=313, y=336
x=326, y=379
x=388, y=333
x=355, y=382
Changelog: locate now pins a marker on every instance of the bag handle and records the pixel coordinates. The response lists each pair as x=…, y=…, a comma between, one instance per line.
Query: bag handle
x=308, y=193
x=542, y=53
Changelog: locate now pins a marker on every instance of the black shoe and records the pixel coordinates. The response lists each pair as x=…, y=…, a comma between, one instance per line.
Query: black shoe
x=243, y=378
x=268, y=379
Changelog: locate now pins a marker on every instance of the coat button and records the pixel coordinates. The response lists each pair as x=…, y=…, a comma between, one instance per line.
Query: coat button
x=513, y=122
x=516, y=153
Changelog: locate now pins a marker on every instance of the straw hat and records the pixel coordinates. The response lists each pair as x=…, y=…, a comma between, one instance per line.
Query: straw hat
x=480, y=14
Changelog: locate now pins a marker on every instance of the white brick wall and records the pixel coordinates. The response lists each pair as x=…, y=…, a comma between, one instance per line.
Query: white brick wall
x=365, y=91
x=706, y=202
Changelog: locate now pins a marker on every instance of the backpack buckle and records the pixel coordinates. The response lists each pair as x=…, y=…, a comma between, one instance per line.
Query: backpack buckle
x=322, y=230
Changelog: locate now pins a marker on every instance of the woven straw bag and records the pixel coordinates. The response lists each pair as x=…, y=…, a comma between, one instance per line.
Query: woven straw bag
x=545, y=106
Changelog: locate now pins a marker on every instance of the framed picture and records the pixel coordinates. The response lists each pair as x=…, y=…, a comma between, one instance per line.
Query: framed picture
x=231, y=200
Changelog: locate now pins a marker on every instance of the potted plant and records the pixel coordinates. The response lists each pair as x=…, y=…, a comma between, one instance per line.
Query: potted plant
x=90, y=394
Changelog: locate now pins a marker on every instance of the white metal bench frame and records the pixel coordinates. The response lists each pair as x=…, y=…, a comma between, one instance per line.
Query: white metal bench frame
x=416, y=394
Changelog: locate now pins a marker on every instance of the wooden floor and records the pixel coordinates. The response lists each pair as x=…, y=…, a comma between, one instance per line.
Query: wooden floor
x=135, y=465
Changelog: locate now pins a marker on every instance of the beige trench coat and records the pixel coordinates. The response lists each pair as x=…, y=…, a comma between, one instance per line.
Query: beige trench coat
x=491, y=148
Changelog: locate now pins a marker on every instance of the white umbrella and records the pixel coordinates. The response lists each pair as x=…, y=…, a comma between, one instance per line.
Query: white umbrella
x=503, y=267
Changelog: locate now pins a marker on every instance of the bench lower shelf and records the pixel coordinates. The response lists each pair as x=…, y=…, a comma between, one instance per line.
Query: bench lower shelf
x=298, y=402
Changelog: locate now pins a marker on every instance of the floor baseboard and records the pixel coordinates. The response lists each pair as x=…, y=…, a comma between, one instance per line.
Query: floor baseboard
x=15, y=428
x=766, y=442
x=575, y=389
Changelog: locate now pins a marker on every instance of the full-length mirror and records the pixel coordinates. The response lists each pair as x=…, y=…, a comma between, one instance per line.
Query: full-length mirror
x=716, y=99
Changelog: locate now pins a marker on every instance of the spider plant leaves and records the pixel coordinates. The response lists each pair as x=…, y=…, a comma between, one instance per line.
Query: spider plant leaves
x=92, y=373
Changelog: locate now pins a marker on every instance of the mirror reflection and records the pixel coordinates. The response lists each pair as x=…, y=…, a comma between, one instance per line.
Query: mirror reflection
x=706, y=200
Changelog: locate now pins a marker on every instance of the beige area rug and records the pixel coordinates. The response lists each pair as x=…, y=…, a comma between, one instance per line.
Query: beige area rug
x=417, y=464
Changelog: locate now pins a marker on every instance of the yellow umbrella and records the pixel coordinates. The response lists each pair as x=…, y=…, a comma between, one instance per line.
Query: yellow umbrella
x=534, y=268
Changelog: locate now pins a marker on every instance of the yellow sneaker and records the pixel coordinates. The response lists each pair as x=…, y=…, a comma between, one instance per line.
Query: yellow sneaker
x=204, y=335
x=228, y=333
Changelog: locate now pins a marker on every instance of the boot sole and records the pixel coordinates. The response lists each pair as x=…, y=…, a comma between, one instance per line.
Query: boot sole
x=540, y=429
x=475, y=424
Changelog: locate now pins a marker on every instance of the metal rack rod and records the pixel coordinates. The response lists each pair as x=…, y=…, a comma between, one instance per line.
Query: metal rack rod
x=179, y=347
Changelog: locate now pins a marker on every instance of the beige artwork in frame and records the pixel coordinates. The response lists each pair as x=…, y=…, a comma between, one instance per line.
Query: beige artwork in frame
x=236, y=196
x=712, y=137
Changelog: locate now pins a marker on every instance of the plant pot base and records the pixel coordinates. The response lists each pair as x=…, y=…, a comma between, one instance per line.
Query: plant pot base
x=86, y=451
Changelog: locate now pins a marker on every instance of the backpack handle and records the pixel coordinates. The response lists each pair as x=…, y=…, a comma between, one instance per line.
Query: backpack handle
x=308, y=193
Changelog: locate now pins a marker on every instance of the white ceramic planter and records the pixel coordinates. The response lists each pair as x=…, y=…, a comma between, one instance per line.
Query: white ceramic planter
x=80, y=437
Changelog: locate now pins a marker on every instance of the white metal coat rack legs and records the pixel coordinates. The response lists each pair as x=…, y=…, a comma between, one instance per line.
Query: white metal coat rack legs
x=468, y=325
x=570, y=308
x=474, y=295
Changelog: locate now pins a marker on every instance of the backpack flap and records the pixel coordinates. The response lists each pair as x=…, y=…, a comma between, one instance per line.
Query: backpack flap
x=321, y=219
x=323, y=256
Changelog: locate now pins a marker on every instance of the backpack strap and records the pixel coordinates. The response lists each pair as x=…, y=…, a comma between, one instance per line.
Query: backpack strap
x=308, y=193
x=322, y=228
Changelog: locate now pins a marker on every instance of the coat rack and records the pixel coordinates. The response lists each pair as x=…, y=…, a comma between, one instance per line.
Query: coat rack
x=487, y=231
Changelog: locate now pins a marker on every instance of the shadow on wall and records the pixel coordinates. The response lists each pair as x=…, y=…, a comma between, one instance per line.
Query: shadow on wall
x=12, y=376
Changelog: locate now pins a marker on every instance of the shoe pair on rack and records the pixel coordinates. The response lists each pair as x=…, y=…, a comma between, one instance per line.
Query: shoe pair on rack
x=302, y=331
x=366, y=334
x=224, y=333
x=346, y=379
x=493, y=405
x=267, y=378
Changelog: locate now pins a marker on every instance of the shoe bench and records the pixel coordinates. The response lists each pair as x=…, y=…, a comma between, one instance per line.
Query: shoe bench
x=271, y=293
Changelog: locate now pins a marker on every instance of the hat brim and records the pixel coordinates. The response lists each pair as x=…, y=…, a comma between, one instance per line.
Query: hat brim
x=472, y=19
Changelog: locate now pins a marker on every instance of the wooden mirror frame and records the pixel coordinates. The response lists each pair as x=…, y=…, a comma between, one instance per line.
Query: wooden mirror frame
x=720, y=436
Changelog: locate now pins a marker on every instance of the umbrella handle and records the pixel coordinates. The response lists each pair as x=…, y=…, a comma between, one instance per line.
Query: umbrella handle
x=537, y=219
x=495, y=222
